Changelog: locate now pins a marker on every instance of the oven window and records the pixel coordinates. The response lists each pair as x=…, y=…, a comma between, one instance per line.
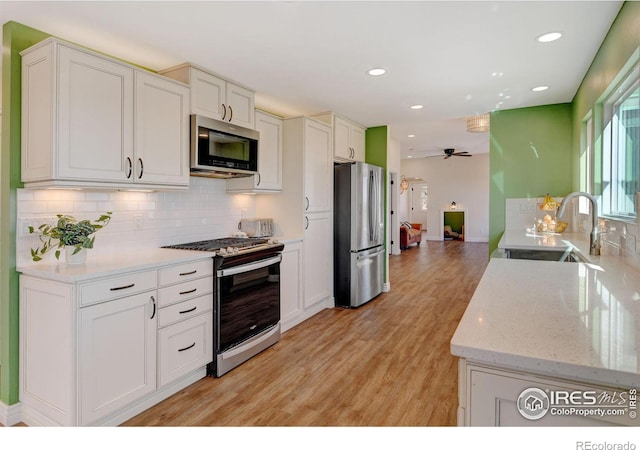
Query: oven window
x=249, y=302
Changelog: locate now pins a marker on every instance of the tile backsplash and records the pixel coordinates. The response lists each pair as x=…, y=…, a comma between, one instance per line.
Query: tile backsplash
x=617, y=238
x=140, y=219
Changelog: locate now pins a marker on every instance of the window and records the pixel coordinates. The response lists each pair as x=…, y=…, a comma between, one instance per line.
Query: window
x=586, y=158
x=621, y=145
x=423, y=197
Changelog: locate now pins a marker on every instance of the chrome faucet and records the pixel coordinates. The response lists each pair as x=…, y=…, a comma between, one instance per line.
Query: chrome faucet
x=594, y=244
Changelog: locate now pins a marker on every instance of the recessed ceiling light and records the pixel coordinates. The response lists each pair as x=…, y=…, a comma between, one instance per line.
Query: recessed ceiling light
x=411, y=135
x=540, y=88
x=376, y=71
x=409, y=156
x=417, y=107
x=549, y=37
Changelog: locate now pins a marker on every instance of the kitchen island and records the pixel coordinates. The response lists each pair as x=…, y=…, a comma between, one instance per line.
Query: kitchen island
x=557, y=326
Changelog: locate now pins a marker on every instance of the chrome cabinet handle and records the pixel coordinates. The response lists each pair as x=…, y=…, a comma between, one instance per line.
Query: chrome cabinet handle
x=130, y=164
x=153, y=314
x=224, y=111
x=189, y=292
x=306, y=208
x=306, y=224
x=259, y=179
x=188, y=310
x=141, y=168
x=230, y=113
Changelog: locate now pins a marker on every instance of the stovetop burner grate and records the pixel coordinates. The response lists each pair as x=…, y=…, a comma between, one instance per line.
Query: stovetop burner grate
x=211, y=245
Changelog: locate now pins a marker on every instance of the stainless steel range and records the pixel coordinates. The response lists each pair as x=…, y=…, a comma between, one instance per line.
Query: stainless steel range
x=246, y=312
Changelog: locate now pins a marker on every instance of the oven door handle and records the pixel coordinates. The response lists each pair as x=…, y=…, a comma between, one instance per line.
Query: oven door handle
x=250, y=343
x=249, y=267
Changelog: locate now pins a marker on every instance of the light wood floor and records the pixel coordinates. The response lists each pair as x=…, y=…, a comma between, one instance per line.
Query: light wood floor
x=386, y=363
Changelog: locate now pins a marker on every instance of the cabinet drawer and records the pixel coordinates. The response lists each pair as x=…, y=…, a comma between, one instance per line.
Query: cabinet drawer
x=184, y=310
x=185, y=272
x=116, y=287
x=184, y=347
x=184, y=291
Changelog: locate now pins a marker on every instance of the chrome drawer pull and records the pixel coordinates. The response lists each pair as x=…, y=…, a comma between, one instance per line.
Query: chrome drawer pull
x=188, y=292
x=119, y=288
x=189, y=310
x=187, y=273
x=187, y=348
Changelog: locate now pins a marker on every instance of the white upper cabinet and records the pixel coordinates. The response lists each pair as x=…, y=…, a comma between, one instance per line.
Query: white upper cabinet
x=162, y=126
x=78, y=124
x=348, y=137
x=269, y=177
x=215, y=97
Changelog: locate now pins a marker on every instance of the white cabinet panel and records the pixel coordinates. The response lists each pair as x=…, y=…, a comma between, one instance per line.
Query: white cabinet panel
x=117, y=354
x=291, y=293
x=78, y=123
x=215, y=97
x=318, y=258
x=184, y=347
x=269, y=177
x=318, y=167
x=162, y=131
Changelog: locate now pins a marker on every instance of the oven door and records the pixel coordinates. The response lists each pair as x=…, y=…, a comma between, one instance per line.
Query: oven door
x=247, y=301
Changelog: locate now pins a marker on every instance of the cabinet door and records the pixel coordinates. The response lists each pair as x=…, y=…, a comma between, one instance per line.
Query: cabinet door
x=117, y=351
x=239, y=106
x=162, y=131
x=269, y=153
x=357, y=141
x=341, y=130
x=95, y=118
x=318, y=258
x=318, y=167
x=291, y=303
x=208, y=93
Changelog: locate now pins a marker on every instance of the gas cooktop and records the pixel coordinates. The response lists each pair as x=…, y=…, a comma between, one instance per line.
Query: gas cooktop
x=229, y=246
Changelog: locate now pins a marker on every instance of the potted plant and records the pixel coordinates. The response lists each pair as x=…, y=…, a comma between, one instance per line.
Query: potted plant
x=72, y=234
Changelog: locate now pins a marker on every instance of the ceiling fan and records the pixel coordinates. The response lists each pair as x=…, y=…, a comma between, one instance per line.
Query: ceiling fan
x=449, y=152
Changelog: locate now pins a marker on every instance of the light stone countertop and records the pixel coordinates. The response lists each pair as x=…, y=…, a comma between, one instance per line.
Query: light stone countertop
x=112, y=264
x=578, y=321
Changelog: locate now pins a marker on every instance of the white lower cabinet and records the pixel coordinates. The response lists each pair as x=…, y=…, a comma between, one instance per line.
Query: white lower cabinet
x=318, y=258
x=99, y=351
x=488, y=396
x=291, y=304
x=185, y=335
x=117, y=357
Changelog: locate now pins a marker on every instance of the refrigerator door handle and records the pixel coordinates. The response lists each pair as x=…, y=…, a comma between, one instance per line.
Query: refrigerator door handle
x=371, y=255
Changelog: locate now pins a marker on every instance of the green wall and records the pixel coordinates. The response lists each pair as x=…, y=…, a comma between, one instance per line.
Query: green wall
x=15, y=38
x=376, y=143
x=530, y=154
x=455, y=219
x=621, y=41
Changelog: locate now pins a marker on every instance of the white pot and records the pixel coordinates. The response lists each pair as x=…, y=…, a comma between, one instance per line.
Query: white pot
x=78, y=258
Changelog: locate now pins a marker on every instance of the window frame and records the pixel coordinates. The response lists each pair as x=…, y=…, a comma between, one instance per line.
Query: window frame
x=621, y=88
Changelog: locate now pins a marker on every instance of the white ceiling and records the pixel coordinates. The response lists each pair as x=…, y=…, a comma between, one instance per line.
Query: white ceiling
x=456, y=58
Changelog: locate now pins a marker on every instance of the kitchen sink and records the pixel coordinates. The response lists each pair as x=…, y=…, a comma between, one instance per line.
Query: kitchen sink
x=569, y=255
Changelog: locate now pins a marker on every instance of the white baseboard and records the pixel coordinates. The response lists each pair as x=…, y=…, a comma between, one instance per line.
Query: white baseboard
x=386, y=287
x=10, y=414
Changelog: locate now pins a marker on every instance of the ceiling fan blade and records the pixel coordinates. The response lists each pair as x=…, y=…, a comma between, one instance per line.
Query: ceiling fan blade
x=460, y=154
x=447, y=157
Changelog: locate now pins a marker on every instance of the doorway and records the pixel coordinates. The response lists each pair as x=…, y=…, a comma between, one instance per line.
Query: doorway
x=419, y=204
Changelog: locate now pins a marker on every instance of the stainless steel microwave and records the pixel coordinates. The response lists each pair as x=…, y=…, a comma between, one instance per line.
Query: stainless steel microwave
x=221, y=149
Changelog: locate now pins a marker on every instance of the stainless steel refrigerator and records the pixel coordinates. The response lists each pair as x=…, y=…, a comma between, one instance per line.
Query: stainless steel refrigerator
x=359, y=252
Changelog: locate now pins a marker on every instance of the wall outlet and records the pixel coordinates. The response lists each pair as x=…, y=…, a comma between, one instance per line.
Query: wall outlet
x=527, y=208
